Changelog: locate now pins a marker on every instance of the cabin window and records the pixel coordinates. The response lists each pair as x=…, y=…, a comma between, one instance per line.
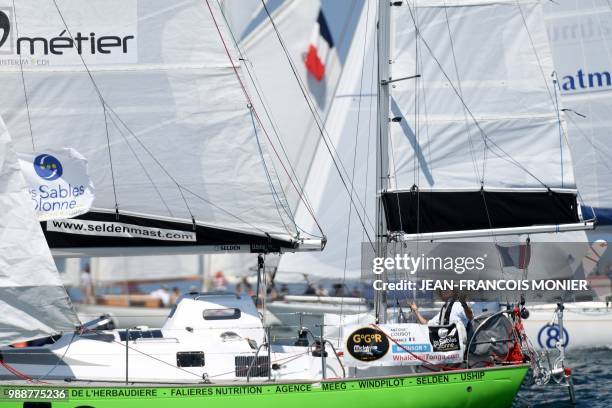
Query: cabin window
x=221, y=314
x=190, y=359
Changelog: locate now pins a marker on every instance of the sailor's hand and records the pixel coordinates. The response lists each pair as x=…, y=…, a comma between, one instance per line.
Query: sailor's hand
x=414, y=307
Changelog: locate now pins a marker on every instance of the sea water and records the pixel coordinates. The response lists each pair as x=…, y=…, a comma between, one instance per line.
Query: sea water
x=592, y=376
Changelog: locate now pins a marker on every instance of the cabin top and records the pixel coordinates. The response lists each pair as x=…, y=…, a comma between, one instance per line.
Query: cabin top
x=216, y=311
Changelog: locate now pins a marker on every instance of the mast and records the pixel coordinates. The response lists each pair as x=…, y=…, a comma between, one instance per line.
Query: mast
x=382, y=144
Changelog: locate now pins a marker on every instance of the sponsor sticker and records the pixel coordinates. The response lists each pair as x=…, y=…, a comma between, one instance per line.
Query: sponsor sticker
x=367, y=344
x=57, y=183
x=41, y=40
x=444, y=338
x=119, y=229
x=403, y=344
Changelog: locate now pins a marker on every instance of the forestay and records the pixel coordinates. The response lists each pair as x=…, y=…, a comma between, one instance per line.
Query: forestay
x=478, y=140
x=145, y=90
x=33, y=302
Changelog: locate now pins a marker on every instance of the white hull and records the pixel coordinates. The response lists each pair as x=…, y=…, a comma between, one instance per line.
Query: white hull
x=586, y=324
x=209, y=333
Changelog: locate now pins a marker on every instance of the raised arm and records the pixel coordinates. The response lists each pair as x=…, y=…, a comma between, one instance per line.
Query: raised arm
x=420, y=318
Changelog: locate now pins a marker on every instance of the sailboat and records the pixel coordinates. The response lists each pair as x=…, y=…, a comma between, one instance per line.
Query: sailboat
x=213, y=345
x=265, y=64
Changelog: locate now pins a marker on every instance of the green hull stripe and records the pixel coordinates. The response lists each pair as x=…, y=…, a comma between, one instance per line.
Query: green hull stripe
x=482, y=388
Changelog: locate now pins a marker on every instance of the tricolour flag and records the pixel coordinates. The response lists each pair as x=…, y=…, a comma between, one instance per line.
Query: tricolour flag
x=515, y=255
x=321, y=43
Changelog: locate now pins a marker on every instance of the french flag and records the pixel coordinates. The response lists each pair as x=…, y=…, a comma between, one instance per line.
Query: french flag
x=516, y=255
x=319, y=48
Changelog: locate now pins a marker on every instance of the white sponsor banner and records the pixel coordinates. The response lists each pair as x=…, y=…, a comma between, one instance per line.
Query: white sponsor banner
x=403, y=344
x=119, y=229
x=58, y=183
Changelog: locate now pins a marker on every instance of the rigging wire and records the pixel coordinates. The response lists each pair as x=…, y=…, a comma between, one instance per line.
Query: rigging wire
x=458, y=91
x=110, y=157
x=465, y=116
x=275, y=194
x=101, y=97
x=329, y=146
x=553, y=98
x=111, y=112
x=256, y=85
x=501, y=153
x=159, y=164
x=348, y=230
x=144, y=169
x=23, y=82
x=248, y=98
x=372, y=112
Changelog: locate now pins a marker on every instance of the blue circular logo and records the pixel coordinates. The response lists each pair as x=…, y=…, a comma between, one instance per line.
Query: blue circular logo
x=48, y=167
x=549, y=335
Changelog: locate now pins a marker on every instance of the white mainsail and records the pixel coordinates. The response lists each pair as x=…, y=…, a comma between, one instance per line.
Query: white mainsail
x=509, y=96
x=33, y=302
x=145, y=90
x=269, y=68
x=487, y=120
x=579, y=35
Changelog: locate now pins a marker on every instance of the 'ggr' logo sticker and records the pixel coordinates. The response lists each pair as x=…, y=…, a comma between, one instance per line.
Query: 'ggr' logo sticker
x=48, y=167
x=367, y=344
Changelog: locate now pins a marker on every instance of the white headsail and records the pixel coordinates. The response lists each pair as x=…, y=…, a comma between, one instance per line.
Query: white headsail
x=151, y=93
x=268, y=67
x=33, y=302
